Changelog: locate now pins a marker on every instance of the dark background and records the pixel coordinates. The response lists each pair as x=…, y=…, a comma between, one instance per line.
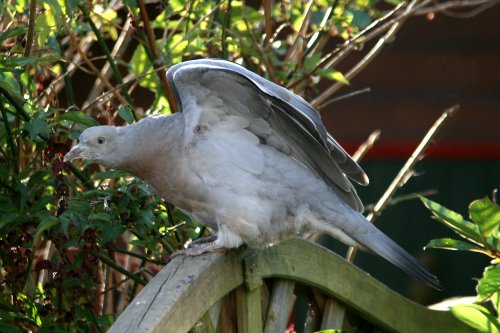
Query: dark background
x=432, y=65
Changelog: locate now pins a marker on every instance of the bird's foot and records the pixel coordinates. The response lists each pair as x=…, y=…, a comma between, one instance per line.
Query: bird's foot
x=203, y=240
x=208, y=244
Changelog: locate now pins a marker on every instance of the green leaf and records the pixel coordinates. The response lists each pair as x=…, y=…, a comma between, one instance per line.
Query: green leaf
x=333, y=75
x=125, y=111
x=454, y=220
x=37, y=127
x=109, y=174
x=78, y=117
x=454, y=244
x=477, y=317
x=486, y=214
x=495, y=299
x=102, y=217
x=489, y=283
x=14, y=32
x=21, y=62
x=9, y=83
x=47, y=223
x=311, y=62
x=140, y=64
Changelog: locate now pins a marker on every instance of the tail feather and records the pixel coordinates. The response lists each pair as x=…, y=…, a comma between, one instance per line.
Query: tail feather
x=379, y=243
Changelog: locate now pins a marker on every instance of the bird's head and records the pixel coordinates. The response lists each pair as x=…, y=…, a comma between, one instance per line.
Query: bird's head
x=99, y=144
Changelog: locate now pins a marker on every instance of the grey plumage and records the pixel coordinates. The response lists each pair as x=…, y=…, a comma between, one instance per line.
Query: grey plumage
x=247, y=158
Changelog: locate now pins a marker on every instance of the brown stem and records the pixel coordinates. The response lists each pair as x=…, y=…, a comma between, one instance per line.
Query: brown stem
x=406, y=171
x=366, y=146
x=368, y=58
x=31, y=29
x=268, y=22
x=89, y=63
x=156, y=54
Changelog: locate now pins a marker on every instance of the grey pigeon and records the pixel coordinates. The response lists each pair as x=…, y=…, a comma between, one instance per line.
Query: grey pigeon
x=247, y=158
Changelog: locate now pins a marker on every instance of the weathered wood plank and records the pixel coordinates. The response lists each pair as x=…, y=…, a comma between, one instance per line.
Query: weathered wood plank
x=204, y=325
x=181, y=293
x=333, y=315
x=315, y=266
x=278, y=311
x=175, y=299
x=249, y=310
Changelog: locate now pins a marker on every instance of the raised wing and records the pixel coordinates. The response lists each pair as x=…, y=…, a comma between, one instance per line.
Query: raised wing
x=221, y=91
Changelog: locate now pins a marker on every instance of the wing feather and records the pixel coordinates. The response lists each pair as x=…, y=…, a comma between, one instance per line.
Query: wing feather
x=248, y=109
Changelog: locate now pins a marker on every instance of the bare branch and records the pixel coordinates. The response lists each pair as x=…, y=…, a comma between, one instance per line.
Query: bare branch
x=406, y=170
x=368, y=58
x=31, y=29
x=366, y=146
x=152, y=44
x=481, y=5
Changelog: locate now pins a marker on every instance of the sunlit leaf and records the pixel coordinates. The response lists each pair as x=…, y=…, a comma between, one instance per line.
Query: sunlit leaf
x=489, y=283
x=454, y=220
x=333, y=75
x=9, y=83
x=486, y=214
x=454, y=244
x=311, y=62
x=14, y=32
x=477, y=317
x=78, y=117
x=139, y=65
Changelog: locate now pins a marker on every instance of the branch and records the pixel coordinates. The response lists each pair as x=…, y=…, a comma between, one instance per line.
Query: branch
x=366, y=146
x=152, y=44
x=91, y=65
x=268, y=23
x=118, y=49
x=105, y=49
x=406, y=171
x=337, y=55
x=481, y=5
x=368, y=58
x=31, y=29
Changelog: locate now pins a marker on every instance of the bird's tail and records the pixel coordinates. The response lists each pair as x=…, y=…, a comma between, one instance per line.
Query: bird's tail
x=376, y=241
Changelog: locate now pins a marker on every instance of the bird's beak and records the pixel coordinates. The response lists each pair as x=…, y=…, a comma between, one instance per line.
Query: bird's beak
x=76, y=152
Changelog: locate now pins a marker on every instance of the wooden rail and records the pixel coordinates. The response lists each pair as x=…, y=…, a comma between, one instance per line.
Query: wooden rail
x=189, y=294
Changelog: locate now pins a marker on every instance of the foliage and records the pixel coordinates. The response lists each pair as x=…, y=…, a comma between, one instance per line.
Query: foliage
x=482, y=233
x=77, y=242
x=77, y=245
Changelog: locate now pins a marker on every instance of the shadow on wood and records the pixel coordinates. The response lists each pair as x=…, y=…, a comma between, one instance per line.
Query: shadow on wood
x=188, y=294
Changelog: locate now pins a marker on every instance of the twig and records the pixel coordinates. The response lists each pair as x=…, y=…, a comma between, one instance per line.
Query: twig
x=337, y=55
x=31, y=29
x=481, y=5
x=105, y=259
x=56, y=85
x=15, y=103
x=298, y=39
x=406, y=171
x=118, y=49
x=10, y=139
x=342, y=97
x=152, y=44
x=387, y=38
x=118, y=87
x=91, y=65
x=366, y=146
x=107, y=53
x=268, y=23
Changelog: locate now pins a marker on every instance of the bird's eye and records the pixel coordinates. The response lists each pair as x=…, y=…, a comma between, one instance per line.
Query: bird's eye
x=100, y=140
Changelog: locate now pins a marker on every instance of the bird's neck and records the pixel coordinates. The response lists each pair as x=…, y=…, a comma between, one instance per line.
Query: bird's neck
x=151, y=143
